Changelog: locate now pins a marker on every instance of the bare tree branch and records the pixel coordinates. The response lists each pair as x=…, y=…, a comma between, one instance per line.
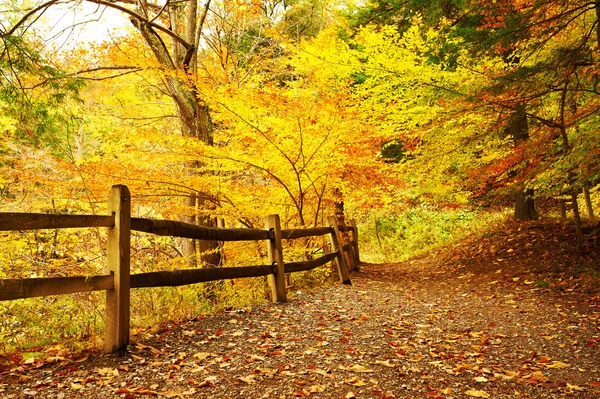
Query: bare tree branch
x=201, y=24
x=144, y=20
x=111, y=76
x=128, y=70
x=161, y=11
x=29, y=14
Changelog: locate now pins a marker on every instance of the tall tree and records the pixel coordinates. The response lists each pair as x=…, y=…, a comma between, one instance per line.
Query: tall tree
x=172, y=32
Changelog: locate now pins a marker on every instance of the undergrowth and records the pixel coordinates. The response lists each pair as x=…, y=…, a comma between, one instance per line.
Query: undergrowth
x=418, y=230
x=77, y=321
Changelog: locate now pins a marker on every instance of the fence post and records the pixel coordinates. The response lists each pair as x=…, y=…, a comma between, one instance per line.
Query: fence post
x=349, y=254
x=274, y=248
x=118, y=251
x=354, y=236
x=334, y=239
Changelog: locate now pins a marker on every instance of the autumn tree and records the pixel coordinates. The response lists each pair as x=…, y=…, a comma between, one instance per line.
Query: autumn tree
x=533, y=67
x=175, y=34
x=551, y=77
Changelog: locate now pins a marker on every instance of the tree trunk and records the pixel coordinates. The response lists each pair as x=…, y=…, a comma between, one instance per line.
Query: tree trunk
x=525, y=206
x=339, y=203
x=518, y=128
x=193, y=114
x=578, y=224
x=209, y=252
x=562, y=205
x=588, y=201
x=597, y=7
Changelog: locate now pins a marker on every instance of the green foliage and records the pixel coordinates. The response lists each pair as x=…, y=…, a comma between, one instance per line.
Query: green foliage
x=304, y=18
x=393, y=151
x=33, y=95
x=418, y=230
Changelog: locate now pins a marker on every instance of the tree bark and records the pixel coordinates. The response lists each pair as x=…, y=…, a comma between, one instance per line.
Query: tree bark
x=597, y=7
x=588, y=201
x=578, y=224
x=518, y=128
x=339, y=203
x=562, y=205
x=525, y=205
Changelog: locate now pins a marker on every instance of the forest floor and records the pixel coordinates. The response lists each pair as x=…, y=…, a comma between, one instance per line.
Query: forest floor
x=513, y=314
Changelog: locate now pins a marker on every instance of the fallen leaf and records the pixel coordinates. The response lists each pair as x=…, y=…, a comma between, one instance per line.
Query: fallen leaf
x=53, y=359
x=202, y=355
x=301, y=392
x=549, y=337
x=385, y=363
x=557, y=365
x=249, y=379
x=107, y=371
x=267, y=371
x=477, y=394
x=575, y=387
x=325, y=373
x=481, y=379
x=350, y=395
x=255, y=358
x=208, y=382
x=170, y=394
x=317, y=388
x=357, y=368
x=144, y=391
x=355, y=381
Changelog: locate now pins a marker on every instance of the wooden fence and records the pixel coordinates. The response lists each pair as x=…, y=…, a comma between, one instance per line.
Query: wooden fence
x=117, y=280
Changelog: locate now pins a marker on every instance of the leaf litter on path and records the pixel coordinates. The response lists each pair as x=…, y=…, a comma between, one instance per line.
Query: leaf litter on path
x=450, y=325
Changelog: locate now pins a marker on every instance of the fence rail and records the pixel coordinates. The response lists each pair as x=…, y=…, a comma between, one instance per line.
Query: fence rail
x=117, y=280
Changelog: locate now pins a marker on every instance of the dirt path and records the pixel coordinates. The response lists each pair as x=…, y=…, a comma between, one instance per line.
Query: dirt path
x=421, y=329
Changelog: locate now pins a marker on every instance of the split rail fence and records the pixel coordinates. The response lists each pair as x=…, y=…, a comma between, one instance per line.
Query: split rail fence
x=118, y=280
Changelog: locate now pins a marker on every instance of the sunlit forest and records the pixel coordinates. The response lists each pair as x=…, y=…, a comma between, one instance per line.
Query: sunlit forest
x=425, y=122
